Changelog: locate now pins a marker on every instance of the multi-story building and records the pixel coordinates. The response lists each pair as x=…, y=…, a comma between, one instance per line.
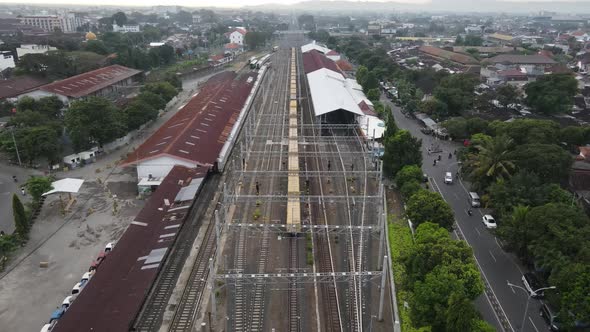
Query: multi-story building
x=25, y=49
x=66, y=23
x=237, y=36
x=6, y=60
x=125, y=28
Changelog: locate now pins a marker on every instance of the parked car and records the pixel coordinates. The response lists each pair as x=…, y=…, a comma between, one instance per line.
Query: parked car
x=56, y=315
x=94, y=266
x=448, y=178
x=67, y=301
x=531, y=283
x=109, y=247
x=551, y=317
x=77, y=288
x=489, y=221
x=46, y=328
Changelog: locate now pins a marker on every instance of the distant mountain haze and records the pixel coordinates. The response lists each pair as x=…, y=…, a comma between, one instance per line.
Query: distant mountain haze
x=443, y=6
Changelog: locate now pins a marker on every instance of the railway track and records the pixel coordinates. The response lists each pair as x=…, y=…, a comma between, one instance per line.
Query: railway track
x=294, y=314
x=191, y=297
x=322, y=247
x=249, y=307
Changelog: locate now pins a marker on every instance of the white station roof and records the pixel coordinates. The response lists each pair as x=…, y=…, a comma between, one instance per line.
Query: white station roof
x=330, y=92
x=68, y=185
x=314, y=46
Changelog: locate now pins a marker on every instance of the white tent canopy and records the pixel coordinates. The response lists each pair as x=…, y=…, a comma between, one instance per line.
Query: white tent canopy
x=68, y=185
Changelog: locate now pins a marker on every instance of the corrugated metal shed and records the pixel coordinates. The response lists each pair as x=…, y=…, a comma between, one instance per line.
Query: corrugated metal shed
x=114, y=296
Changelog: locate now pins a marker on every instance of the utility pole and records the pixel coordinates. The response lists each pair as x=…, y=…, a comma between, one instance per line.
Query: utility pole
x=16, y=147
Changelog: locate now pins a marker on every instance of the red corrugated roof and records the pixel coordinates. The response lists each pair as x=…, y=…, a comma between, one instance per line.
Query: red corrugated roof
x=232, y=46
x=452, y=56
x=198, y=131
x=92, y=81
x=366, y=109
x=314, y=60
x=113, y=297
x=332, y=52
x=19, y=85
x=216, y=57
x=344, y=65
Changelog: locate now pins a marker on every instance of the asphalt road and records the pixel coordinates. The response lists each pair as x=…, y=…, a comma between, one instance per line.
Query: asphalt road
x=498, y=266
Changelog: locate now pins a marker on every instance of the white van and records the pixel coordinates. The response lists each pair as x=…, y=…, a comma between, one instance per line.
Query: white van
x=474, y=199
x=448, y=178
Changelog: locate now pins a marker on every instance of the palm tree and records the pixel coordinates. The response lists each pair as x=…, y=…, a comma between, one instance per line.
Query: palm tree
x=492, y=162
x=514, y=230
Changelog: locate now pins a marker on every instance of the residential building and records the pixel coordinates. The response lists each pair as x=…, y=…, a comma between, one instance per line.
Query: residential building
x=237, y=36
x=500, y=39
x=108, y=82
x=464, y=62
x=219, y=59
x=25, y=49
x=521, y=60
x=581, y=36
x=125, y=28
x=233, y=48
x=66, y=23
x=474, y=29
x=495, y=76
x=196, y=19
x=6, y=60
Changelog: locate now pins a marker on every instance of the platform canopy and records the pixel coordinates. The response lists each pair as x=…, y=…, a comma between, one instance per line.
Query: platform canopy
x=68, y=185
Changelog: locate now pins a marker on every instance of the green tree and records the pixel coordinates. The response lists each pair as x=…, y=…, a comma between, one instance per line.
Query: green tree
x=457, y=92
x=163, y=89
x=552, y=94
x=401, y=149
x=513, y=229
x=150, y=98
x=371, y=82
x=119, y=18
x=138, y=113
x=460, y=313
x=574, y=136
x=97, y=47
x=554, y=233
x=507, y=94
x=493, y=161
x=572, y=280
x=408, y=173
x=93, y=121
x=526, y=131
x=361, y=74
x=373, y=95
x=38, y=185
x=435, y=108
x=480, y=325
x=462, y=128
x=549, y=161
x=427, y=206
x=409, y=188
x=473, y=40
x=21, y=224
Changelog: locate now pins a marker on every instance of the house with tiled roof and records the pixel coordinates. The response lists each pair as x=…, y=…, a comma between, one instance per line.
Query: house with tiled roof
x=237, y=35
x=233, y=48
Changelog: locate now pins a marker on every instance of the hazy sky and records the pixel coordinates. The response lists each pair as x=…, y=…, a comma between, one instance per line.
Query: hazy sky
x=238, y=3
x=189, y=3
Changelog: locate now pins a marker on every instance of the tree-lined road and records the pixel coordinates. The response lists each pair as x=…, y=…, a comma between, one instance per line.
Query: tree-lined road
x=498, y=267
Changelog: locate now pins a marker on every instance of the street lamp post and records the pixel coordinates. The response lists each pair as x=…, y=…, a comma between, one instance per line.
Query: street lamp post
x=529, y=295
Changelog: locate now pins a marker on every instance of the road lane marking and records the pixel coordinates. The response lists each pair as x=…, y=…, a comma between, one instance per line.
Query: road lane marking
x=507, y=256
x=495, y=260
x=535, y=327
x=481, y=271
x=477, y=230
